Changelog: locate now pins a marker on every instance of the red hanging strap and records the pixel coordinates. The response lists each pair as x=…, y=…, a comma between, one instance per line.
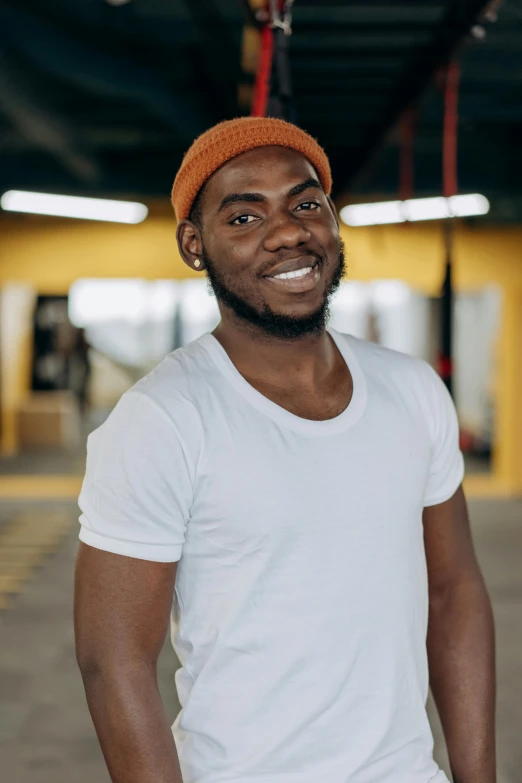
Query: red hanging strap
x=407, y=138
x=266, y=59
x=264, y=71
x=445, y=367
x=277, y=20
x=450, y=134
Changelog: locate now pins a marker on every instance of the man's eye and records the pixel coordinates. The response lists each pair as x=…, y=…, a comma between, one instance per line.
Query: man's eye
x=308, y=205
x=242, y=220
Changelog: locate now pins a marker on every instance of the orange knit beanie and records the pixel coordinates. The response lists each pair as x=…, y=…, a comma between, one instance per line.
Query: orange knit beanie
x=232, y=137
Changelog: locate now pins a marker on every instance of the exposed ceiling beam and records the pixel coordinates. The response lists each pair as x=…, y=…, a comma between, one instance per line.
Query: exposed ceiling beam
x=219, y=54
x=366, y=13
x=346, y=64
x=42, y=127
x=378, y=41
x=98, y=137
x=418, y=74
x=100, y=72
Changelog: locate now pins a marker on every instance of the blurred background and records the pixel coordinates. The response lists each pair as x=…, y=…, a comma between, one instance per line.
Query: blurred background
x=418, y=105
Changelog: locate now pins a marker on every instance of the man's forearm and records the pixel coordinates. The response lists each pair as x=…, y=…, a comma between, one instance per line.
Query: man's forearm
x=461, y=651
x=132, y=726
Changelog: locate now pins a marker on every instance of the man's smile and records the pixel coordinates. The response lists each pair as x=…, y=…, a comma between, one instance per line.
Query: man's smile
x=296, y=276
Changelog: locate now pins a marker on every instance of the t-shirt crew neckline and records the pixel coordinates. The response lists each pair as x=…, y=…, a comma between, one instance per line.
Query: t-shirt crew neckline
x=351, y=414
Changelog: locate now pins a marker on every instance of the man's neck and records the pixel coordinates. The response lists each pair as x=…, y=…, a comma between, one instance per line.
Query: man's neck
x=305, y=360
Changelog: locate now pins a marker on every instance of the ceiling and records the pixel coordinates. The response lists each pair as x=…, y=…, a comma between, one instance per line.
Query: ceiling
x=103, y=99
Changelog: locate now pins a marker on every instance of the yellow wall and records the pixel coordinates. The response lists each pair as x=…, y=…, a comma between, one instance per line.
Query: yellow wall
x=507, y=457
x=17, y=302
x=51, y=253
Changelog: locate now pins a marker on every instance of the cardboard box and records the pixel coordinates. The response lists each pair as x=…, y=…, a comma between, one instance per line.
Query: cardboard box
x=49, y=420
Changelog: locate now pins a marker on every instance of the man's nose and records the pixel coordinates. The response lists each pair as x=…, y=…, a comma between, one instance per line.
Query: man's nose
x=285, y=230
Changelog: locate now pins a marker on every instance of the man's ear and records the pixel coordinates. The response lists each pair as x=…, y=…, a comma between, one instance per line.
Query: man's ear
x=190, y=244
x=334, y=210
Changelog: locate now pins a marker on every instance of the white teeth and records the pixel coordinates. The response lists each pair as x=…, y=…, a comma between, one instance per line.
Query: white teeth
x=297, y=273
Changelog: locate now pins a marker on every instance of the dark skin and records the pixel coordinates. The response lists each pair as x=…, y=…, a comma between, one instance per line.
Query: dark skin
x=461, y=642
x=248, y=238
x=122, y=604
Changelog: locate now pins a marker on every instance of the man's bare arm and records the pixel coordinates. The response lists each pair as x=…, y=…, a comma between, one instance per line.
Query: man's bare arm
x=121, y=615
x=461, y=646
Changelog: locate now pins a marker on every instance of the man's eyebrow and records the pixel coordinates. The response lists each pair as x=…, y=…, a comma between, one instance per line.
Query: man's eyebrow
x=309, y=183
x=233, y=198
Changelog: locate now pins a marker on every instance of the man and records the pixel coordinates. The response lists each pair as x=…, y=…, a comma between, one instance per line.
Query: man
x=307, y=485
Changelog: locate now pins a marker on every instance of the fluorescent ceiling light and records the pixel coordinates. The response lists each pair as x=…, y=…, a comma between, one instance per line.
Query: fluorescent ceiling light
x=74, y=207
x=414, y=209
x=372, y=214
x=426, y=209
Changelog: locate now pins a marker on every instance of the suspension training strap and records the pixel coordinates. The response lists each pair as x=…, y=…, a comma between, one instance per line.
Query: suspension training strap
x=273, y=87
x=264, y=70
x=450, y=133
x=449, y=187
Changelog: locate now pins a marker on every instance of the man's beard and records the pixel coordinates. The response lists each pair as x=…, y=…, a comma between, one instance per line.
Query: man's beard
x=286, y=327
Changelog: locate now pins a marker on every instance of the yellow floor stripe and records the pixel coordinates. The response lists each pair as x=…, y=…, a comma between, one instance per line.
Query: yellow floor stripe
x=25, y=541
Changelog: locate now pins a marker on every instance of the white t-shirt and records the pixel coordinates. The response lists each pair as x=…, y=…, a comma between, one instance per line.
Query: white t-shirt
x=301, y=603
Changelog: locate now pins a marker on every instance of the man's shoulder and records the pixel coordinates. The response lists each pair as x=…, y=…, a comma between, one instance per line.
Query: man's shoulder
x=173, y=384
x=405, y=377
x=377, y=358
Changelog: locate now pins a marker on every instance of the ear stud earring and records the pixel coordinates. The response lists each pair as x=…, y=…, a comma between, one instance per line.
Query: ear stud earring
x=197, y=263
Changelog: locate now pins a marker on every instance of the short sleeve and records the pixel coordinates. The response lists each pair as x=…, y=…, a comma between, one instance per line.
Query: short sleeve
x=137, y=490
x=447, y=463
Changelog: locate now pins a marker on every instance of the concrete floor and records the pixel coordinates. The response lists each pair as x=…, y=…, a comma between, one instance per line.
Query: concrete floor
x=46, y=735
